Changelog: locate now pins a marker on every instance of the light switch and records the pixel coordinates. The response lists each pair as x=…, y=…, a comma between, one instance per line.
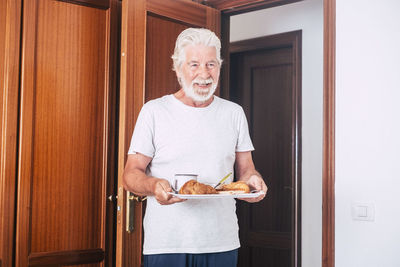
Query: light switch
x=363, y=211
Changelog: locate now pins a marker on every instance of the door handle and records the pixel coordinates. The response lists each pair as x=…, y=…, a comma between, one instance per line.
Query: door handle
x=130, y=210
x=136, y=198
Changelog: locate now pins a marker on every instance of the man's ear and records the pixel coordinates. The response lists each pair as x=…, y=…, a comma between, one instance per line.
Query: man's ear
x=178, y=77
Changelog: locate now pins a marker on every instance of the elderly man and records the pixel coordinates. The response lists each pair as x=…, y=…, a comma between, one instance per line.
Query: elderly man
x=191, y=131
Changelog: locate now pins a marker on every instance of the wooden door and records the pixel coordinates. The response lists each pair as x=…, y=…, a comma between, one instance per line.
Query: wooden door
x=265, y=80
x=149, y=31
x=10, y=26
x=67, y=133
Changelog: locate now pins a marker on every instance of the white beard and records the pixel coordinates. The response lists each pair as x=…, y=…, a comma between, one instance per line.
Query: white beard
x=199, y=95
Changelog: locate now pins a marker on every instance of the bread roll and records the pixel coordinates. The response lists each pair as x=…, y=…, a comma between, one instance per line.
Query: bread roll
x=236, y=187
x=193, y=187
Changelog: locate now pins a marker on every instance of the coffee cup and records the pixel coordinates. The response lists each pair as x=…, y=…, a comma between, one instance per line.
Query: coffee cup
x=180, y=179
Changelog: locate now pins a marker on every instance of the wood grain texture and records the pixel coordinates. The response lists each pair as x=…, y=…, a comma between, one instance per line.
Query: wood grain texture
x=25, y=136
x=10, y=26
x=234, y=7
x=160, y=78
x=65, y=104
x=66, y=257
x=328, y=167
x=181, y=10
x=102, y=4
x=132, y=89
x=64, y=137
x=214, y=23
x=214, y=20
x=225, y=46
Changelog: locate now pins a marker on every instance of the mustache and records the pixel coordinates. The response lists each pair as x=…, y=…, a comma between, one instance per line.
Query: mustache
x=203, y=81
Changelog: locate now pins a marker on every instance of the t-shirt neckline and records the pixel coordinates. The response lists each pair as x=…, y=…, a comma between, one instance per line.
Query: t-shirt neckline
x=180, y=103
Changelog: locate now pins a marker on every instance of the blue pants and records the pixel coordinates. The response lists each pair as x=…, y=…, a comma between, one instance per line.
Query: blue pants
x=225, y=259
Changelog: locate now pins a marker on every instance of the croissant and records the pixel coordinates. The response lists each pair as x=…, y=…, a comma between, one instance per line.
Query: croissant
x=236, y=186
x=193, y=187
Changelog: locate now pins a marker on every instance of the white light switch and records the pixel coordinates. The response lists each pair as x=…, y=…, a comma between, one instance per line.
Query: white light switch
x=363, y=211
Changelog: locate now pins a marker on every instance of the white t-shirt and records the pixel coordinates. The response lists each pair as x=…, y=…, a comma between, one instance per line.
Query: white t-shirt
x=184, y=139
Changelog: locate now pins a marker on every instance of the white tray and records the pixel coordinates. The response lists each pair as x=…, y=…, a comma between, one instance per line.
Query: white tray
x=207, y=196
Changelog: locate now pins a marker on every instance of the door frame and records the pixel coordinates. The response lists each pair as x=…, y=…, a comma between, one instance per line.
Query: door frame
x=329, y=74
x=328, y=172
x=328, y=162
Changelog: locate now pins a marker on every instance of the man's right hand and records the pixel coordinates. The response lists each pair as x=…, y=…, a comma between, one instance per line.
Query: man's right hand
x=161, y=189
x=136, y=181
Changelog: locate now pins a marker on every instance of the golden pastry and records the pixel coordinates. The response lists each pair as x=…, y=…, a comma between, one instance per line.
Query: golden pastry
x=193, y=187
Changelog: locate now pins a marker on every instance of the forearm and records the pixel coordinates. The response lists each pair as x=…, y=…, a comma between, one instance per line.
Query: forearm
x=247, y=173
x=137, y=182
x=245, y=168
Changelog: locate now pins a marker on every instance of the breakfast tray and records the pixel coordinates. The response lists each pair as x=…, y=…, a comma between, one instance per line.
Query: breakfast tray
x=228, y=195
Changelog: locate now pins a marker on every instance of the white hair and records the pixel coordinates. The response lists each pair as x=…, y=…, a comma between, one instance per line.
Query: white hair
x=194, y=36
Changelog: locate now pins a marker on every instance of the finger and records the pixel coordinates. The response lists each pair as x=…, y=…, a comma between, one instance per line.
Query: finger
x=175, y=200
x=249, y=200
x=253, y=200
x=172, y=200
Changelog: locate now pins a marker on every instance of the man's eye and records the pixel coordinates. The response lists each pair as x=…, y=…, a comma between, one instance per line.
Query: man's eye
x=194, y=65
x=210, y=65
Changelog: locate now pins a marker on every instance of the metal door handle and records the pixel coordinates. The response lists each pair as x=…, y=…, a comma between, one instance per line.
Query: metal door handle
x=136, y=198
x=130, y=210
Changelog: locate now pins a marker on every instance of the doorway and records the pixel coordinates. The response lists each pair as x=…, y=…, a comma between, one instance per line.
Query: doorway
x=265, y=79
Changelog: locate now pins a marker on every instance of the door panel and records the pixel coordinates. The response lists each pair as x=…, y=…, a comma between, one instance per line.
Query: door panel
x=10, y=27
x=149, y=31
x=65, y=164
x=160, y=42
x=265, y=81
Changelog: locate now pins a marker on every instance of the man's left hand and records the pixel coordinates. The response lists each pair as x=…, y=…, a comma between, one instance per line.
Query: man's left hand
x=255, y=182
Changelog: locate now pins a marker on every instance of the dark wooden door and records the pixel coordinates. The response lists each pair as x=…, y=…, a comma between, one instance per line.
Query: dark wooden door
x=265, y=80
x=149, y=31
x=66, y=162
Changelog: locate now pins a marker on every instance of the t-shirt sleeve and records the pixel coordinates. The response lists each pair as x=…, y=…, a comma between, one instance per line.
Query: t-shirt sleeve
x=244, y=141
x=142, y=137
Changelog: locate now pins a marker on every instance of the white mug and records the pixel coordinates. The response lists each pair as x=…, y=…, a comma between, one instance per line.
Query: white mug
x=180, y=179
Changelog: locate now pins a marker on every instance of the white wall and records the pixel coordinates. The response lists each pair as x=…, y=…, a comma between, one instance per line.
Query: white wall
x=307, y=16
x=368, y=131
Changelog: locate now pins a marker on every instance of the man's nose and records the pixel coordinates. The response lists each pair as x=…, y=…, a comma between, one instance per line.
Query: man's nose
x=203, y=72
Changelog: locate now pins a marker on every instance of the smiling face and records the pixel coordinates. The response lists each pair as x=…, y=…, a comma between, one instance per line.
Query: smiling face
x=199, y=72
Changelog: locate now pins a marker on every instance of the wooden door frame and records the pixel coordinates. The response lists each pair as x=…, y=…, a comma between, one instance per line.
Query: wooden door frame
x=328, y=164
x=328, y=167
x=135, y=79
